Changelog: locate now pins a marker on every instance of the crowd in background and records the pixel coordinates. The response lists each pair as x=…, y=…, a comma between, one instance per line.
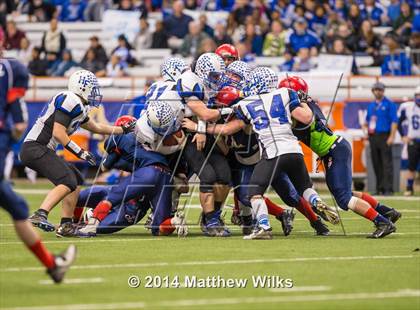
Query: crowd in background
x=297, y=30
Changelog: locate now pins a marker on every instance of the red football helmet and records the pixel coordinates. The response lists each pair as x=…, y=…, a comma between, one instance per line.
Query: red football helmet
x=296, y=83
x=125, y=119
x=228, y=52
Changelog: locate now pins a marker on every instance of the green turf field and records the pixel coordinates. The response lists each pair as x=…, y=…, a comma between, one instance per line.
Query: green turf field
x=335, y=272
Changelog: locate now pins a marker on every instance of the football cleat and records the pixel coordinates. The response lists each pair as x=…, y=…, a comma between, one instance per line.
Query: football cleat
x=326, y=212
x=40, y=220
x=382, y=230
x=409, y=193
x=320, y=228
x=63, y=262
x=260, y=234
x=149, y=220
x=66, y=230
x=286, y=220
x=89, y=230
x=393, y=215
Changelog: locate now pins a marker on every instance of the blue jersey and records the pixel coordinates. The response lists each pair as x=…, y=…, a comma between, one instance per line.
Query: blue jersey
x=126, y=154
x=13, y=83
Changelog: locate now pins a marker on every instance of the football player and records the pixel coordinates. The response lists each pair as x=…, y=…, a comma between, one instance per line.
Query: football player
x=410, y=112
x=61, y=117
x=335, y=153
x=13, y=84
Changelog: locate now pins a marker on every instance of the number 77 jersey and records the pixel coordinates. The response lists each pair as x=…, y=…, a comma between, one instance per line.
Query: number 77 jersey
x=270, y=117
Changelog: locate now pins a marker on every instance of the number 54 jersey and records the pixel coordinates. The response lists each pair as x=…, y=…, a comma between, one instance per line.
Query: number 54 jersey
x=270, y=117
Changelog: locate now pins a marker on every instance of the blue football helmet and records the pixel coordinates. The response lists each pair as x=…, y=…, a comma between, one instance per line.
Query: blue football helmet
x=172, y=68
x=261, y=80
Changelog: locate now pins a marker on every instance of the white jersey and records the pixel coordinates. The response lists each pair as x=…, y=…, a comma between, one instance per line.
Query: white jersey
x=151, y=141
x=190, y=87
x=269, y=115
x=65, y=108
x=410, y=112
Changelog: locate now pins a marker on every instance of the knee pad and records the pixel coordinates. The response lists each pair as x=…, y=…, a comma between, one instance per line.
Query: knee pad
x=352, y=203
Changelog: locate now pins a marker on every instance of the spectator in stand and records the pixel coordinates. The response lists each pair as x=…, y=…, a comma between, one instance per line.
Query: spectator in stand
x=159, y=37
x=224, y=5
x=25, y=51
x=114, y=67
x=393, y=11
x=52, y=61
x=285, y=11
x=37, y=66
x=204, y=26
x=319, y=21
x=339, y=48
x=95, y=10
x=176, y=24
x=402, y=26
x=299, y=13
x=303, y=62
x=343, y=33
x=233, y=29
x=287, y=65
x=253, y=39
x=129, y=5
x=61, y=67
x=41, y=11
x=53, y=40
x=99, y=50
x=192, y=41
x=416, y=23
x=72, y=11
x=90, y=62
x=274, y=41
x=206, y=46
x=220, y=35
x=245, y=54
x=372, y=12
x=368, y=42
x=6, y=7
x=125, y=5
x=123, y=50
x=354, y=19
x=144, y=36
x=13, y=36
x=191, y=5
x=397, y=62
x=301, y=37
x=341, y=9
x=242, y=9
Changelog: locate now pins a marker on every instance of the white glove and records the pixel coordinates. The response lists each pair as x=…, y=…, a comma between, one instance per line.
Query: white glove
x=180, y=224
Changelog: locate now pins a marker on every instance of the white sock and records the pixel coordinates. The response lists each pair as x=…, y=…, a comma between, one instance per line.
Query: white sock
x=261, y=212
x=311, y=196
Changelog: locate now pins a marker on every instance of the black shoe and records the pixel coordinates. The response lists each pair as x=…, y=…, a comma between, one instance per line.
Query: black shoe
x=393, y=215
x=320, y=228
x=66, y=230
x=41, y=221
x=286, y=219
x=62, y=264
x=382, y=230
x=247, y=225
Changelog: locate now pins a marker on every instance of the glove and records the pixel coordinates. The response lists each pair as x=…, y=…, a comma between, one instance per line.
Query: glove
x=228, y=95
x=128, y=127
x=88, y=156
x=180, y=224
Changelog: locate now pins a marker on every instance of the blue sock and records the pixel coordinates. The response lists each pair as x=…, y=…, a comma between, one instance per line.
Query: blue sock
x=380, y=208
x=380, y=219
x=263, y=222
x=410, y=183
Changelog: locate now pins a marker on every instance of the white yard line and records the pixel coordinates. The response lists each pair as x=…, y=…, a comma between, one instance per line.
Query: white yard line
x=73, y=281
x=87, y=240
x=405, y=293
x=219, y=262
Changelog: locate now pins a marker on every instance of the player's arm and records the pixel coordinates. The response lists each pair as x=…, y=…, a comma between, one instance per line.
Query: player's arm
x=394, y=124
x=106, y=129
x=226, y=129
x=299, y=109
x=199, y=108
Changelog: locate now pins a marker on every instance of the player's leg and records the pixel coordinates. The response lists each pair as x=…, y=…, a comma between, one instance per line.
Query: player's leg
x=339, y=181
x=89, y=198
x=413, y=149
x=390, y=213
x=241, y=176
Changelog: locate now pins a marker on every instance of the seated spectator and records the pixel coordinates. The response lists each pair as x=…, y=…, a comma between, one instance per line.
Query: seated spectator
x=301, y=37
x=25, y=51
x=302, y=62
x=403, y=24
x=90, y=62
x=13, y=36
x=206, y=46
x=233, y=29
x=368, y=42
x=98, y=49
x=123, y=50
x=397, y=62
x=37, y=66
x=224, y=5
x=299, y=13
x=159, y=37
x=341, y=9
x=287, y=65
x=192, y=40
x=253, y=39
x=343, y=33
x=176, y=24
x=241, y=10
x=285, y=10
x=191, y=4
x=40, y=11
x=73, y=11
x=204, y=26
x=61, y=67
x=319, y=21
x=274, y=41
x=372, y=12
x=393, y=11
x=114, y=68
x=339, y=48
x=144, y=36
x=354, y=19
x=416, y=23
x=95, y=10
x=53, y=40
x=125, y=5
x=220, y=35
x=52, y=61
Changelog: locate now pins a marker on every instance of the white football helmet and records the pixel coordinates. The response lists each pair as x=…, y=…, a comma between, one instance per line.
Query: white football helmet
x=237, y=74
x=172, y=68
x=85, y=84
x=261, y=80
x=162, y=118
x=210, y=68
